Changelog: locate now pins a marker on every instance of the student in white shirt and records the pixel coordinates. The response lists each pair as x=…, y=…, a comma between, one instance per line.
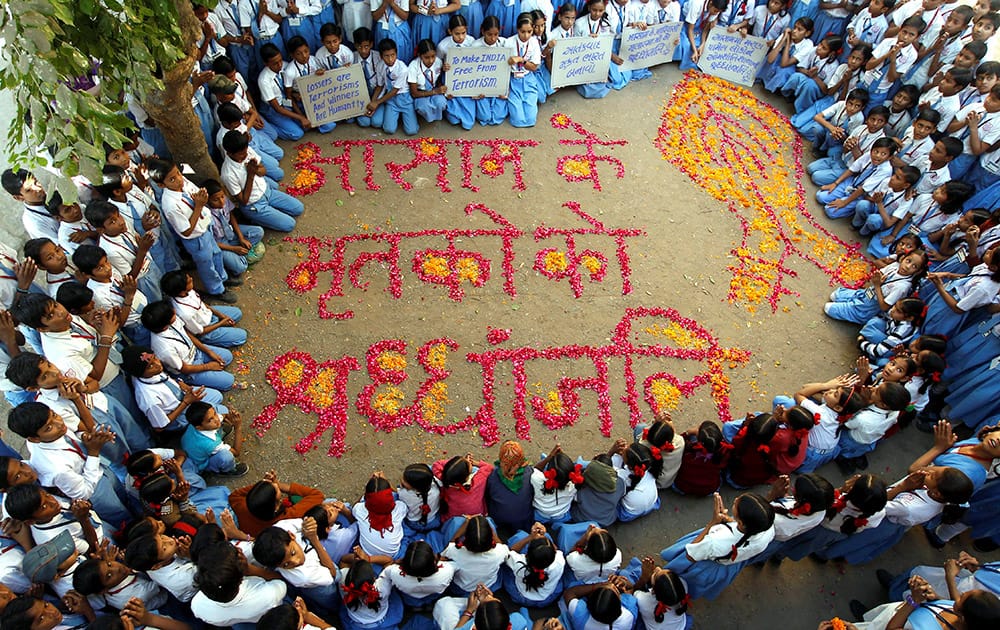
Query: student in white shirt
x=533, y=568
x=638, y=468
x=600, y=606
x=213, y=325
x=243, y=176
x=369, y=601
x=593, y=557
x=37, y=220
x=275, y=105
x=302, y=64
x=891, y=59
x=420, y=577
x=478, y=558
x=661, y=597
x=554, y=487
x=225, y=596
x=156, y=556
x=112, y=290
x=128, y=254
x=105, y=575
x=916, y=143
x=51, y=259
x=380, y=518
x=74, y=230
x=864, y=176
x=293, y=548
x=865, y=428
x=798, y=508
x=420, y=490
x=183, y=353
x=978, y=127
x=48, y=516
x=295, y=616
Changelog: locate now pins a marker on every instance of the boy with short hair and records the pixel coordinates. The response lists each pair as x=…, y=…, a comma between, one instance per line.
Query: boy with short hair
x=240, y=243
x=183, y=353
x=128, y=255
x=244, y=101
x=38, y=220
x=891, y=59
x=944, y=46
x=28, y=612
x=203, y=444
x=944, y=98
x=858, y=143
x=917, y=142
x=392, y=99
x=887, y=205
x=371, y=64
x=987, y=74
x=243, y=176
x=864, y=176
x=50, y=258
x=48, y=515
x=302, y=64
x=293, y=548
x=72, y=466
x=831, y=126
x=276, y=107
x=157, y=556
x=73, y=228
x=935, y=169
x=978, y=127
x=112, y=290
x=231, y=119
x=227, y=595
x=162, y=397
x=184, y=206
x=214, y=326
x=105, y=575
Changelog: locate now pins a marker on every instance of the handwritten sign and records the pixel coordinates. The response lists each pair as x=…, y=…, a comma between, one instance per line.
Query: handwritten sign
x=478, y=70
x=334, y=95
x=651, y=47
x=733, y=57
x=579, y=60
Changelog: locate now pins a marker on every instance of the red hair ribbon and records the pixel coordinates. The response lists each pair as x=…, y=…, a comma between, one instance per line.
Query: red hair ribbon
x=801, y=509
x=380, y=505
x=816, y=418
x=923, y=312
x=764, y=449
x=860, y=522
x=540, y=573
x=839, y=501
x=686, y=600
x=657, y=454
x=425, y=509
x=576, y=475
x=732, y=554
x=668, y=447
x=725, y=447
x=366, y=593
x=660, y=609
x=550, y=479
x=800, y=434
x=286, y=502
x=645, y=434
x=936, y=377
x=639, y=470
x=185, y=528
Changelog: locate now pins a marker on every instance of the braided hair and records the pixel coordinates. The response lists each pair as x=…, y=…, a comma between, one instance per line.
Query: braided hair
x=813, y=494
x=755, y=515
x=539, y=556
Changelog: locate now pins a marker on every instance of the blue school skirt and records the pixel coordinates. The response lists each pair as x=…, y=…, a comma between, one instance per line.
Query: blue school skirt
x=852, y=305
x=972, y=348
x=399, y=34
x=473, y=14
x=506, y=11
x=815, y=541
x=986, y=198
x=685, y=46
x=461, y=110
x=430, y=108
x=705, y=578
x=509, y=581
x=432, y=27
x=976, y=398
x=803, y=8
x=940, y=319
x=867, y=545
x=982, y=513
x=543, y=82
x=774, y=75
x=825, y=23
x=522, y=101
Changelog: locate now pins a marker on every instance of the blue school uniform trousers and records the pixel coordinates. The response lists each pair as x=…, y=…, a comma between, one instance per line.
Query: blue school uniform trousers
x=237, y=264
x=388, y=115
x=274, y=210
x=430, y=108
x=208, y=259
x=506, y=11
x=220, y=380
x=225, y=336
x=473, y=14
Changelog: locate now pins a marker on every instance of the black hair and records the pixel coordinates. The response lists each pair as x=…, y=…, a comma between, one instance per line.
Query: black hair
x=234, y=141
x=932, y=116
x=988, y=67
x=421, y=479
x=294, y=43
x=955, y=489
x=97, y=212
x=911, y=91
x=834, y=43
x=141, y=463
x=270, y=546
x=211, y=186
x=87, y=257
x=361, y=572
x=523, y=18
x=107, y=622
x=455, y=471
x=799, y=420
x=868, y=496
x=207, y=535
x=173, y=283
x=492, y=21
x=156, y=488
x=478, y=535
x=331, y=29
x=33, y=248
x=456, y=20
x=281, y=617
x=669, y=590
x=710, y=437
x=660, y=434
x=220, y=572
x=916, y=22
x=963, y=11
x=138, y=528
x=87, y=577
x=859, y=94
x=604, y=603
x=754, y=437
x=5, y=462
x=133, y=362
x=980, y=610
x=419, y=560
x=28, y=418
x=143, y=553
x=756, y=516
x=32, y=308
x=23, y=370
x=158, y=168
x=911, y=174
x=953, y=147
x=157, y=315
x=223, y=65
x=21, y=502
x=229, y=113
x=560, y=465
x=363, y=34
x=376, y=484
x=885, y=143
x=17, y=614
x=912, y=308
x=962, y=76
x=386, y=45
x=538, y=556
x=958, y=193
x=600, y=547
x=112, y=177
x=74, y=296
x=880, y=110
x=13, y=181
x=894, y=396
x=805, y=22
x=935, y=343
x=318, y=514
x=260, y=501
x=813, y=494
x=268, y=52
x=931, y=365
x=638, y=460
x=425, y=46
x=492, y=615
x=196, y=412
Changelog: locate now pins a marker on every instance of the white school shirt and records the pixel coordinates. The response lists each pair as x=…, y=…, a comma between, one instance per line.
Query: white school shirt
x=866, y=138
x=935, y=20
x=177, y=578
x=363, y=615
x=156, y=399
x=63, y=583
x=173, y=346
x=11, y=556
x=867, y=27
x=311, y=573
x=518, y=564
x=660, y=15
x=980, y=290
x=991, y=162
x=768, y=25
x=625, y=621
x=697, y=11
x=822, y=436
x=66, y=230
x=906, y=10
x=65, y=464
x=110, y=294
x=472, y=568
x=621, y=15
x=65, y=407
x=790, y=526
x=647, y=603
x=414, y=502
x=736, y=11
x=72, y=352
x=585, y=27
x=720, y=540
x=904, y=59
x=836, y=115
x=586, y=570
x=390, y=16
x=372, y=68
x=671, y=462
x=121, y=251
x=132, y=210
x=925, y=213
x=897, y=123
x=374, y=542
x=558, y=32
x=136, y=585
x=448, y=43
x=434, y=584
x=272, y=87
x=642, y=497
x=234, y=177
x=65, y=521
x=530, y=50
x=326, y=59
x=293, y=70
x=54, y=281
x=917, y=400
x=553, y=505
x=267, y=27
x=870, y=424
x=896, y=205
x=989, y=126
x=395, y=76
x=799, y=50
x=931, y=178
x=228, y=14
x=255, y=597
x=866, y=175
x=38, y=223
x=193, y=311
x=837, y=520
x=947, y=106
x=912, y=508
x=969, y=95
x=423, y=77
x=915, y=152
x=215, y=49
x=177, y=208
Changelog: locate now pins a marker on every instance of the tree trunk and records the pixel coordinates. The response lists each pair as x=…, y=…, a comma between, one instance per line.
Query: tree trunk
x=171, y=108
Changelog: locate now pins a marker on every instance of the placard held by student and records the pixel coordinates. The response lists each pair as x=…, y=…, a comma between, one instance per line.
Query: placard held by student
x=733, y=57
x=478, y=70
x=336, y=94
x=579, y=60
x=649, y=47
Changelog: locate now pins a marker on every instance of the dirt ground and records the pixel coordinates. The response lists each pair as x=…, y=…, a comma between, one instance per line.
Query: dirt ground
x=680, y=263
